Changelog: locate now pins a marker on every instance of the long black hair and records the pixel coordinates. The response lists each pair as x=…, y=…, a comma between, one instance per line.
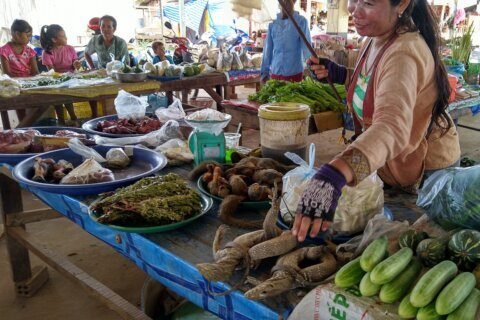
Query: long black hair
x=419, y=16
x=47, y=33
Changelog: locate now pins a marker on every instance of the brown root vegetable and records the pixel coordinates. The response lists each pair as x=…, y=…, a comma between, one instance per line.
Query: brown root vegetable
x=247, y=170
x=238, y=185
x=266, y=163
x=207, y=177
x=257, y=192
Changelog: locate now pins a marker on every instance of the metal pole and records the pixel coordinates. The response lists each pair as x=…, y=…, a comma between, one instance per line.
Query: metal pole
x=181, y=13
x=161, y=16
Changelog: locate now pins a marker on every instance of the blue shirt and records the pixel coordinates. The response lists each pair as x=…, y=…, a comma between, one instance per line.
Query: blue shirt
x=156, y=59
x=284, y=51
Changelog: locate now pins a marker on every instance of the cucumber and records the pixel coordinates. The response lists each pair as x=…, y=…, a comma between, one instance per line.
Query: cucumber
x=374, y=253
x=398, y=287
x=428, y=313
x=468, y=308
x=391, y=267
x=350, y=274
x=453, y=295
x=406, y=310
x=432, y=282
x=367, y=288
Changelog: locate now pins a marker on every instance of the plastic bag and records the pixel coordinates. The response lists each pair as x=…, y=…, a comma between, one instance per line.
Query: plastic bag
x=378, y=226
x=86, y=152
x=236, y=62
x=90, y=171
x=172, y=112
x=170, y=130
x=294, y=183
x=117, y=158
x=358, y=205
x=176, y=151
x=129, y=106
x=451, y=197
x=9, y=87
x=113, y=66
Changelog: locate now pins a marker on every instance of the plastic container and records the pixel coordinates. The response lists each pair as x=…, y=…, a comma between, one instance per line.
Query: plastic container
x=232, y=142
x=283, y=127
x=452, y=80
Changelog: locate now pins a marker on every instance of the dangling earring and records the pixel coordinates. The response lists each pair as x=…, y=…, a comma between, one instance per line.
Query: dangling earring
x=400, y=15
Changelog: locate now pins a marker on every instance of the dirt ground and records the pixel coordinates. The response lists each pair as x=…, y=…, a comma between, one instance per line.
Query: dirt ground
x=60, y=299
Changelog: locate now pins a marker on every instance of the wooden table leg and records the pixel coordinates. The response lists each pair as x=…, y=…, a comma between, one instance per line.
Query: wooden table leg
x=94, y=108
x=5, y=120
x=26, y=281
x=33, y=116
x=169, y=95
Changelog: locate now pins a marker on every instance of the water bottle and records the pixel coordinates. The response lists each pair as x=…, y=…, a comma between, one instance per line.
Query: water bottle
x=474, y=67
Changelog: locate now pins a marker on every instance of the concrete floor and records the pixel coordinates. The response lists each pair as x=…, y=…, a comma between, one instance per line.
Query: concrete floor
x=60, y=299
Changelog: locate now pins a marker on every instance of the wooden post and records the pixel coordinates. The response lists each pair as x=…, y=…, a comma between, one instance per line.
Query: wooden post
x=337, y=17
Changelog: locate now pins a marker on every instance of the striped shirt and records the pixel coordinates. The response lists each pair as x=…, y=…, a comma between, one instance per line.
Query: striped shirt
x=359, y=95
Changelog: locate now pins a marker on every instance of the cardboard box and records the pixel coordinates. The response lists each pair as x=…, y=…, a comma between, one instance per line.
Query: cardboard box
x=328, y=120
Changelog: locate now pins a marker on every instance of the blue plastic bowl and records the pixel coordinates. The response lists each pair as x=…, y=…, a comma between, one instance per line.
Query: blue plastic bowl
x=91, y=127
x=145, y=162
x=14, y=158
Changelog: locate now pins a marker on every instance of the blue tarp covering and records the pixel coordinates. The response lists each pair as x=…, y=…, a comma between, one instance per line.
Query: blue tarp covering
x=193, y=13
x=221, y=18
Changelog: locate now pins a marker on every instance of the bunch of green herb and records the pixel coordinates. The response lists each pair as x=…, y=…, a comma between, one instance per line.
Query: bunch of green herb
x=318, y=96
x=461, y=46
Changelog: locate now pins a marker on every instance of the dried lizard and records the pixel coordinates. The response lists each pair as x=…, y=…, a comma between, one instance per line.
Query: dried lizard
x=288, y=275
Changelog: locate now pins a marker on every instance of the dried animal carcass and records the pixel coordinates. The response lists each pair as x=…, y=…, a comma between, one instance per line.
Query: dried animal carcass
x=287, y=273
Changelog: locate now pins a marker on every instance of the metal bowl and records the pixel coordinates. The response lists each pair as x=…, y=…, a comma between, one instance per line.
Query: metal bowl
x=130, y=77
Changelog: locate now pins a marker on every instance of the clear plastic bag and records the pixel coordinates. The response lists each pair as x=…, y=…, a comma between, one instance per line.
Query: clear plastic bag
x=208, y=120
x=170, y=130
x=176, y=151
x=117, y=158
x=86, y=152
x=294, y=183
x=90, y=171
x=358, y=205
x=129, y=106
x=378, y=226
x=172, y=112
x=451, y=197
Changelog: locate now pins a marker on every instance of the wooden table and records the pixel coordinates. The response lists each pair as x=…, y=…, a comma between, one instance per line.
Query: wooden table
x=168, y=257
x=40, y=102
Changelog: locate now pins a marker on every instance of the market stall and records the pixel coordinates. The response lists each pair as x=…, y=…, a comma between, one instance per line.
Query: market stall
x=169, y=257
x=39, y=100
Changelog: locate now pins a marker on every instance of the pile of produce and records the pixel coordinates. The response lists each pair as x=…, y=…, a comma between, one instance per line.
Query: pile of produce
x=440, y=291
x=9, y=87
x=250, y=179
x=24, y=141
x=129, y=126
x=318, y=96
x=149, y=202
x=128, y=69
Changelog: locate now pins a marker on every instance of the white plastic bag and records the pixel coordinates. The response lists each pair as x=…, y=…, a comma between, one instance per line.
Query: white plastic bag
x=172, y=112
x=294, y=183
x=358, y=205
x=129, y=106
x=86, y=152
x=376, y=227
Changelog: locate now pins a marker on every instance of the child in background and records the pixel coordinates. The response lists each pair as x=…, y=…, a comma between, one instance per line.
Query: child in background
x=59, y=56
x=159, y=50
x=17, y=58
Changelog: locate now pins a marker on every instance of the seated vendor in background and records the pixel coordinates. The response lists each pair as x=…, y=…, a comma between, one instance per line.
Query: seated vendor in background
x=159, y=49
x=284, y=51
x=398, y=96
x=106, y=44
